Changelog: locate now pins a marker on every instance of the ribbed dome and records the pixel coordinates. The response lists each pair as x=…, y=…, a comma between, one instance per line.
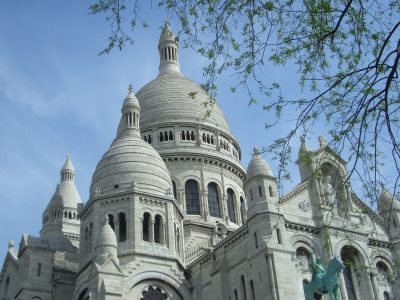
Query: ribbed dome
x=130, y=100
x=57, y=199
x=258, y=166
x=166, y=99
x=106, y=236
x=68, y=165
x=387, y=201
x=131, y=159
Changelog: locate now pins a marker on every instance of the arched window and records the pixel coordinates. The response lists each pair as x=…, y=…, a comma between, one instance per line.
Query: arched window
x=158, y=229
x=122, y=227
x=192, y=198
x=149, y=139
x=253, y=294
x=154, y=293
x=204, y=137
x=146, y=226
x=213, y=200
x=65, y=215
x=39, y=269
x=259, y=190
x=212, y=139
x=242, y=210
x=174, y=189
x=166, y=136
x=183, y=135
x=145, y=138
x=161, y=137
x=111, y=221
x=188, y=135
x=7, y=285
x=278, y=236
x=192, y=136
x=236, y=295
x=231, y=206
x=70, y=215
x=348, y=255
x=386, y=296
x=244, y=288
x=171, y=136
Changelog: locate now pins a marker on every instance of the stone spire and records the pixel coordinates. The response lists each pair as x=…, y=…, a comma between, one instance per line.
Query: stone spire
x=129, y=124
x=67, y=172
x=168, y=50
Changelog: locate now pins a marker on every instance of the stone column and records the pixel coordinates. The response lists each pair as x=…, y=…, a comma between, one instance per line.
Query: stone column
x=116, y=229
x=141, y=229
x=126, y=227
x=271, y=276
x=393, y=294
x=370, y=287
x=177, y=135
x=375, y=284
x=163, y=234
x=151, y=231
x=356, y=284
x=343, y=290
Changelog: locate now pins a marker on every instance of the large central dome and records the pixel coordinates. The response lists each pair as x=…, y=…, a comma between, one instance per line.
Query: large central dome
x=166, y=99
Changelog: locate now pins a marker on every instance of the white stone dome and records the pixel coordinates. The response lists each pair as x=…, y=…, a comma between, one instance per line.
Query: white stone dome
x=166, y=99
x=258, y=166
x=131, y=161
x=387, y=201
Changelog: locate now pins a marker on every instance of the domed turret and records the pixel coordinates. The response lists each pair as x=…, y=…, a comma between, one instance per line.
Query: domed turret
x=387, y=203
x=130, y=162
x=168, y=49
x=106, y=243
x=260, y=186
x=258, y=166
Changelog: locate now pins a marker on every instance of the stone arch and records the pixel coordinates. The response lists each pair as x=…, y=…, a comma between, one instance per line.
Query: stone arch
x=305, y=241
x=84, y=292
x=377, y=255
x=147, y=277
x=363, y=257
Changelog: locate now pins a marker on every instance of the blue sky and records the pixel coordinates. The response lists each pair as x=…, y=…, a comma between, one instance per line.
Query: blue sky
x=59, y=97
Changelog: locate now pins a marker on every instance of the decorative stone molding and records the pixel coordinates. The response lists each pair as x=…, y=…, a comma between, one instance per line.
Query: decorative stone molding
x=305, y=205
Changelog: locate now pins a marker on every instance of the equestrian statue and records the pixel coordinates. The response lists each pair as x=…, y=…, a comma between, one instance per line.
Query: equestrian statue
x=324, y=282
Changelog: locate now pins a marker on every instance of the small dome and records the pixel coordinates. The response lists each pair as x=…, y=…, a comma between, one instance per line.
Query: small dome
x=130, y=99
x=387, y=201
x=106, y=236
x=70, y=194
x=166, y=33
x=57, y=199
x=68, y=165
x=258, y=166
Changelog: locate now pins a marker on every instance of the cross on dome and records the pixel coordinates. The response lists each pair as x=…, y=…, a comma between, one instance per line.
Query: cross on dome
x=130, y=88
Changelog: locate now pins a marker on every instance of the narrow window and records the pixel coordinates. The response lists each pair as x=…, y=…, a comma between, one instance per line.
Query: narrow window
x=192, y=198
x=157, y=229
x=65, y=215
x=270, y=191
x=242, y=209
x=7, y=285
x=166, y=136
x=111, y=221
x=212, y=139
x=213, y=200
x=255, y=240
x=231, y=206
x=174, y=189
x=251, y=195
x=278, y=235
x=253, y=294
x=259, y=190
x=236, y=295
x=122, y=227
x=244, y=288
x=116, y=186
x=171, y=136
x=183, y=135
x=149, y=139
x=386, y=296
x=192, y=136
x=145, y=138
x=178, y=239
x=394, y=223
x=146, y=221
x=70, y=215
x=188, y=135
x=39, y=269
x=161, y=137
x=204, y=137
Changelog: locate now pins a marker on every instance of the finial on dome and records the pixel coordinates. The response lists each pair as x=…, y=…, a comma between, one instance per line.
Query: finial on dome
x=130, y=88
x=168, y=50
x=382, y=185
x=57, y=187
x=255, y=151
x=105, y=220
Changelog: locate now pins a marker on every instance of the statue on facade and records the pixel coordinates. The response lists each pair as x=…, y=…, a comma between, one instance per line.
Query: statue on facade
x=322, y=141
x=329, y=191
x=324, y=282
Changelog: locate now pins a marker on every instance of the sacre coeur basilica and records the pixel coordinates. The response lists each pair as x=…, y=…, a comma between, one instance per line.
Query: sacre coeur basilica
x=172, y=214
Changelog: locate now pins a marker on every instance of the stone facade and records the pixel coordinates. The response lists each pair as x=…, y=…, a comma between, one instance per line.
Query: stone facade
x=172, y=214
